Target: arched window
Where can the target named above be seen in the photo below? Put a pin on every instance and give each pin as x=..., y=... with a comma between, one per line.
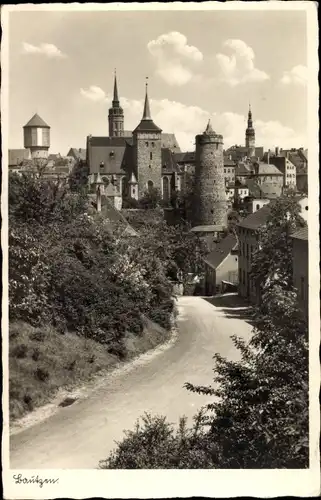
x=150, y=186
x=257, y=207
x=151, y=155
x=166, y=193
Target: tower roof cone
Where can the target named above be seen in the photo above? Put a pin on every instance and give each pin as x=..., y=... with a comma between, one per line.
x=209, y=130
x=146, y=113
x=115, y=98
x=147, y=123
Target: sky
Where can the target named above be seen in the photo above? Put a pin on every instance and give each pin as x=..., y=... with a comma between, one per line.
x=200, y=65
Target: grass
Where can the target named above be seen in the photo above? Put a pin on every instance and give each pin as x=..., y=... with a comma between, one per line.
x=42, y=361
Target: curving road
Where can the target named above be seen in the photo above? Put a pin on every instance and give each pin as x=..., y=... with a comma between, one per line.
x=80, y=435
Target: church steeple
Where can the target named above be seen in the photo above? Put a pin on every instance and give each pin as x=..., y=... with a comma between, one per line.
x=146, y=123
x=249, y=118
x=115, y=99
x=146, y=113
x=116, y=114
x=250, y=135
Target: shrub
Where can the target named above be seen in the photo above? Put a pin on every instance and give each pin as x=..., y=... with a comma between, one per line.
x=20, y=351
x=42, y=374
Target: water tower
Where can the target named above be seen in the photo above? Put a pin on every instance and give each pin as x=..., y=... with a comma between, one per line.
x=36, y=135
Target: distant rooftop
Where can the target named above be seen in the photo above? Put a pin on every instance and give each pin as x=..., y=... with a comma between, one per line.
x=37, y=121
x=256, y=220
x=301, y=234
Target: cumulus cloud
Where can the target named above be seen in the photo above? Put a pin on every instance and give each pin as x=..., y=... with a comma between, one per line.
x=238, y=66
x=175, y=59
x=94, y=93
x=187, y=121
x=298, y=75
x=47, y=49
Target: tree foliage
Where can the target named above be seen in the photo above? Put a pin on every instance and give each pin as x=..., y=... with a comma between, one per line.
x=73, y=269
x=258, y=414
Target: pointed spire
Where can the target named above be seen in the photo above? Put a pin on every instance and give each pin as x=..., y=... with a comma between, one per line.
x=115, y=99
x=209, y=130
x=146, y=113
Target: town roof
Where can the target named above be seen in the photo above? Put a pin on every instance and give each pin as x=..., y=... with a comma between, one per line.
x=242, y=169
x=256, y=220
x=169, y=141
x=268, y=169
x=301, y=234
x=109, y=141
x=210, y=228
x=37, y=121
x=168, y=163
x=113, y=215
x=78, y=153
x=185, y=157
x=228, y=162
x=17, y=156
x=221, y=251
x=147, y=126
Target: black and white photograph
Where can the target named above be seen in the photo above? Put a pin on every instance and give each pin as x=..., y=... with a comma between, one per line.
x=160, y=241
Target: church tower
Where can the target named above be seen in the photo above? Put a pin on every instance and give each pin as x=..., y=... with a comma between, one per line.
x=116, y=115
x=148, y=152
x=250, y=135
x=210, y=196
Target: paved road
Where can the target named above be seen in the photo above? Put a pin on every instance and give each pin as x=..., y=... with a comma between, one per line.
x=80, y=435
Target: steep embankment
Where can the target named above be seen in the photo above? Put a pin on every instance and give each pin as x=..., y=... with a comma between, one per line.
x=47, y=366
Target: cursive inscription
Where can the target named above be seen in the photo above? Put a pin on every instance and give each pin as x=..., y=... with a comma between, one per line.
x=19, y=479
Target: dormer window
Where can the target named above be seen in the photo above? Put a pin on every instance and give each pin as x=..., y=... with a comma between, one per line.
x=112, y=154
x=102, y=164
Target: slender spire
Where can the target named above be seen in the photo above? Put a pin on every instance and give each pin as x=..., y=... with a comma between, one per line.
x=146, y=113
x=115, y=99
x=249, y=120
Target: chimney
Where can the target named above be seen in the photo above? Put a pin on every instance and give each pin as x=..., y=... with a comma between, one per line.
x=276, y=151
x=268, y=157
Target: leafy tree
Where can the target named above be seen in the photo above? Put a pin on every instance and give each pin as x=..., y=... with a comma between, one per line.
x=78, y=178
x=259, y=414
x=151, y=199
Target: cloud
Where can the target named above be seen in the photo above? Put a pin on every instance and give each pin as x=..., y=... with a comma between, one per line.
x=238, y=67
x=94, y=93
x=187, y=121
x=298, y=75
x=175, y=59
x=46, y=49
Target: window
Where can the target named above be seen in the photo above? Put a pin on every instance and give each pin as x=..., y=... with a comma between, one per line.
x=150, y=155
x=146, y=144
x=224, y=170
x=153, y=144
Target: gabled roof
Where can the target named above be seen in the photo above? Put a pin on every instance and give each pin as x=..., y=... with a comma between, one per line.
x=228, y=162
x=185, y=157
x=242, y=169
x=301, y=234
x=221, y=251
x=168, y=162
x=114, y=216
x=78, y=153
x=268, y=169
x=36, y=121
x=17, y=156
x=256, y=220
x=109, y=141
x=169, y=141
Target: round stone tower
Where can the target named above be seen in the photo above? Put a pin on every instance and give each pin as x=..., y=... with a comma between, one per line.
x=36, y=135
x=210, y=196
